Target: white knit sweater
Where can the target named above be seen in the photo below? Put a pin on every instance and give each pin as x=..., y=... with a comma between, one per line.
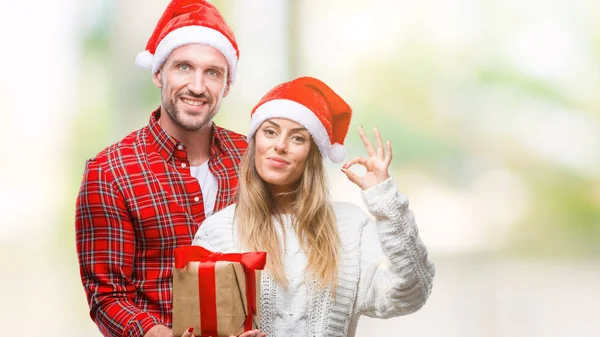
x=384, y=269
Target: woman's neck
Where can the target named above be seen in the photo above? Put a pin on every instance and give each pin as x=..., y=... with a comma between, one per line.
x=283, y=197
x=283, y=204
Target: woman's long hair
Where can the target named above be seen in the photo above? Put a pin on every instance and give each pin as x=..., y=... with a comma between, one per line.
x=313, y=219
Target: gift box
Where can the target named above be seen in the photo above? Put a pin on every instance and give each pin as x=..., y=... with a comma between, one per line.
x=216, y=294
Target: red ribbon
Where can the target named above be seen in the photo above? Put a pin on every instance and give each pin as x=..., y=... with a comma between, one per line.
x=206, y=281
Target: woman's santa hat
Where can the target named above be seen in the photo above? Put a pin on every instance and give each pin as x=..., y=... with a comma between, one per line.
x=185, y=22
x=312, y=104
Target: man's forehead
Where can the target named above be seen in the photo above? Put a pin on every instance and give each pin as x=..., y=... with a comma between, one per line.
x=198, y=52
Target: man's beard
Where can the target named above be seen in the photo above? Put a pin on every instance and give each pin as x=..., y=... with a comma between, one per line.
x=190, y=124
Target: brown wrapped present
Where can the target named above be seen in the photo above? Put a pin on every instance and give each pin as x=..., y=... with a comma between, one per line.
x=216, y=294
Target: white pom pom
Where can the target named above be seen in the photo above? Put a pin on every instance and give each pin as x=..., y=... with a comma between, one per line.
x=336, y=153
x=144, y=60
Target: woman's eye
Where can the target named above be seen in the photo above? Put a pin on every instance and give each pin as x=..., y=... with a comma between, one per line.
x=269, y=132
x=298, y=139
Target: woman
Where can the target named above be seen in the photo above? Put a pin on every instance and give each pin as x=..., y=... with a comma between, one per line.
x=328, y=262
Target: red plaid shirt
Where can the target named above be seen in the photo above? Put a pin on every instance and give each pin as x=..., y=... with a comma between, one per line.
x=137, y=202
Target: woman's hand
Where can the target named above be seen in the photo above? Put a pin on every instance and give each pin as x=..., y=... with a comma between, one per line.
x=377, y=163
x=251, y=333
x=189, y=333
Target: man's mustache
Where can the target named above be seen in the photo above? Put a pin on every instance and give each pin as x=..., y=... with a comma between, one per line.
x=198, y=96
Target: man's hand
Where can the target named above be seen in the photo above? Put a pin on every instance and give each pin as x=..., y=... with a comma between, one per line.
x=159, y=331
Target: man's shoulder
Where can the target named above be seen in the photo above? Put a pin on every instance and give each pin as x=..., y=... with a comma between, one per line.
x=116, y=154
x=231, y=139
x=230, y=133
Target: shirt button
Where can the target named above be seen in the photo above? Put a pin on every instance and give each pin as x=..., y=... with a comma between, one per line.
x=196, y=199
x=179, y=147
x=183, y=165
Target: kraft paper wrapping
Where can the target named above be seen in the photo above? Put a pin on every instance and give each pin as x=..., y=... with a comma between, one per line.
x=231, y=302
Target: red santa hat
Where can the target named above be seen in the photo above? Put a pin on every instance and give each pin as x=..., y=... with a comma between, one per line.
x=185, y=22
x=312, y=104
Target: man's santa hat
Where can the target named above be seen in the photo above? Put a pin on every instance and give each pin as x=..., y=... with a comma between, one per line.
x=312, y=104
x=185, y=22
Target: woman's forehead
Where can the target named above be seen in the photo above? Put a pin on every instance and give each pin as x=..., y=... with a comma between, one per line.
x=284, y=123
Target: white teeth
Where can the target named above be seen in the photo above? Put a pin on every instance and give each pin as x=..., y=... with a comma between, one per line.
x=190, y=102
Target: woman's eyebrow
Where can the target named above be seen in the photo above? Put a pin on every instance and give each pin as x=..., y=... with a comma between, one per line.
x=294, y=129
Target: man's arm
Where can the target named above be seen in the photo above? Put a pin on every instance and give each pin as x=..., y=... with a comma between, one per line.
x=106, y=251
x=161, y=331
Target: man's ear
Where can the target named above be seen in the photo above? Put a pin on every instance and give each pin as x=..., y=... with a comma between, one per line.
x=157, y=79
x=226, y=91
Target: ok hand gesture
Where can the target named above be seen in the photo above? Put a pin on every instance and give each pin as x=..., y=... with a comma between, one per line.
x=377, y=163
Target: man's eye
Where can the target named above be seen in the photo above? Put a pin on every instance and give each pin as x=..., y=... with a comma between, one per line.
x=184, y=67
x=213, y=73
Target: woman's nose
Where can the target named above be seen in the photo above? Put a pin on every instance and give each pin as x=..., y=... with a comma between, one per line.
x=281, y=145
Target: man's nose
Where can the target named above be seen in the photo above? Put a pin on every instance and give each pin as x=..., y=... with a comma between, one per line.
x=197, y=83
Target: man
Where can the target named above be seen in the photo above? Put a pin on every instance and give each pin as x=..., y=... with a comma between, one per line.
x=147, y=194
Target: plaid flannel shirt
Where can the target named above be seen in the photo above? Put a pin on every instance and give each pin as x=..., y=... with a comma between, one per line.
x=137, y=202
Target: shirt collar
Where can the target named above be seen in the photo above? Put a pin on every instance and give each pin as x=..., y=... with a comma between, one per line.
x=169, y=146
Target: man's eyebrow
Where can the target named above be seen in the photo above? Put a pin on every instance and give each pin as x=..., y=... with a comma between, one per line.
x=211, y=66
x=216, y=67
x=178, y=61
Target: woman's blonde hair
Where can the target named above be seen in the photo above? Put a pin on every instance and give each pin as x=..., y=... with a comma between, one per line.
x=313, y=219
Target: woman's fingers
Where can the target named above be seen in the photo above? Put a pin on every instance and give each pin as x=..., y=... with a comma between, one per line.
x=366, y=141
x=388, y=155
x=188, y=333
x=380, y=152
x=353, y=177
x=253, y=333
x=355, y=160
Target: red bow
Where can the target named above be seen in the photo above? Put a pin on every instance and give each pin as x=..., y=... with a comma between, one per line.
x=253, y=260
x=206, y=281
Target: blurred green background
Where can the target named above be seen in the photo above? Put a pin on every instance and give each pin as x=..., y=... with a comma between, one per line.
x=493, y=109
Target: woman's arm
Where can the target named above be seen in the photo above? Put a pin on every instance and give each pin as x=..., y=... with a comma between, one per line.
x=396, y=274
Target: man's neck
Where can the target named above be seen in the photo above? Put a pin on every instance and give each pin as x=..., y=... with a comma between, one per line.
x=197, y=142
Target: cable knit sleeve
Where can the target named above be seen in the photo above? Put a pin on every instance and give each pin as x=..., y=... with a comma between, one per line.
x=216, y=232
x=202, y=239
x=396, y=275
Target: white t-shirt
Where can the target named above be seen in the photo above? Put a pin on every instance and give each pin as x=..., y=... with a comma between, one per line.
x=208, y=184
